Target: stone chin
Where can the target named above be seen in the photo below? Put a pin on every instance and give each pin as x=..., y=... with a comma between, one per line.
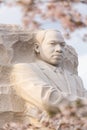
x=55, y=62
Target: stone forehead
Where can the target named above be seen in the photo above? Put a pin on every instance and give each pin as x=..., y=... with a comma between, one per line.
x=41, y=34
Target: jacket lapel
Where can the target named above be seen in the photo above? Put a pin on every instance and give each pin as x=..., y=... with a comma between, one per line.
x=69, y=84
x=51, y=75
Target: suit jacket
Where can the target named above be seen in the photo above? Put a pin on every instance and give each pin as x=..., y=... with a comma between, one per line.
x=46, y=86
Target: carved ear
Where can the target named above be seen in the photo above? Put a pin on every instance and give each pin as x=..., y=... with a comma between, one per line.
x=36, y=48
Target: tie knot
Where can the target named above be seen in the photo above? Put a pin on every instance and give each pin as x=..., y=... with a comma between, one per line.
x=59, y=70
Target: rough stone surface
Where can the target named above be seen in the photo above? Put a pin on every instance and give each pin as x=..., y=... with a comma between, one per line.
x=15, y=43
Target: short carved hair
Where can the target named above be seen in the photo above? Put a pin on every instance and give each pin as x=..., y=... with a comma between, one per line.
x=40, y=35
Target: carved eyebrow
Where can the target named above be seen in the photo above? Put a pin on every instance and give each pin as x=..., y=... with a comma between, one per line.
x=57, y=42
x=53, y=41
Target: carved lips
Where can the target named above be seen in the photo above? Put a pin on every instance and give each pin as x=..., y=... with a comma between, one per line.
x=58, y=55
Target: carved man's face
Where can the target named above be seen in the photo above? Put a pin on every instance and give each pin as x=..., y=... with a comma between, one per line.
x=51, y=50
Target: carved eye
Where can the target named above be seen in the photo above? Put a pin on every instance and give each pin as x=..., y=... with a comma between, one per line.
x=62, y=44
x=53, y=43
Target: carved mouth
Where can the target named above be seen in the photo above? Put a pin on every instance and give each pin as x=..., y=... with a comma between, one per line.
x=58, y=55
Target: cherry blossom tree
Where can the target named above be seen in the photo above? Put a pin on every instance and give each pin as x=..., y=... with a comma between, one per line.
x=61, y=10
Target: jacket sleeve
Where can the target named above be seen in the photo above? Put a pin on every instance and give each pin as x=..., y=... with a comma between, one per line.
x=81, y=89
x=32, y=88
x=84, y=93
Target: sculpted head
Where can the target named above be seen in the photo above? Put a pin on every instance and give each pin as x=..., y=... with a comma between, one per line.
x=49, y=46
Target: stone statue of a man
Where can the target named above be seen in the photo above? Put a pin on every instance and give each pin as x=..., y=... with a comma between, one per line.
x=45, y=83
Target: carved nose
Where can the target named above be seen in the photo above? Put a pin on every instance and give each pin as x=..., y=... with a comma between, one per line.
x=59, y=49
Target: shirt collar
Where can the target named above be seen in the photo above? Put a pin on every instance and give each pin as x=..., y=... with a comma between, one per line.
x=44, y=64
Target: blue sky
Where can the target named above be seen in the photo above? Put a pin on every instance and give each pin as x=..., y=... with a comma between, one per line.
x=13, y=15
